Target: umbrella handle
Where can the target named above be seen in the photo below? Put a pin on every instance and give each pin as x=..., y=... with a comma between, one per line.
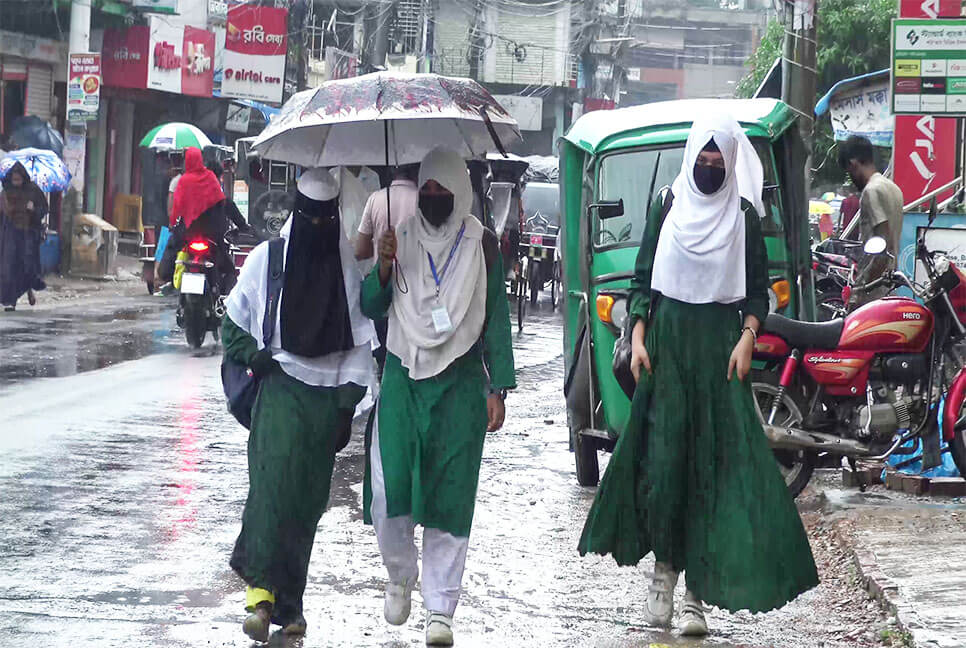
x=492, y=130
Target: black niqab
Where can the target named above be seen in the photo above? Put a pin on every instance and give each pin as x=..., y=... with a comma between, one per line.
x=314, y=310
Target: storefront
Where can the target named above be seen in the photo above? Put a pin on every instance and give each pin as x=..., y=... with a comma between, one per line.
x=29, y=68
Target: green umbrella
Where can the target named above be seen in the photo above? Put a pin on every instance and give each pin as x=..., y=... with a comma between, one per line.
x=175, y=136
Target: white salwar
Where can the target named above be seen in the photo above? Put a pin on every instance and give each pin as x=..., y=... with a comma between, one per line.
x=444, y=555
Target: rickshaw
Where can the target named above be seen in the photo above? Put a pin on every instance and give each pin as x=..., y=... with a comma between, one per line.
x=613, y=164
x=539, y=257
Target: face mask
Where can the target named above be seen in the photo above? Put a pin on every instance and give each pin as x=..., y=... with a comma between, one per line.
x=436, y=208
x=708, y=179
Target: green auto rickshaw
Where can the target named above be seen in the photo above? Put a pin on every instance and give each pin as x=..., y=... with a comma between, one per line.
x=612, y=166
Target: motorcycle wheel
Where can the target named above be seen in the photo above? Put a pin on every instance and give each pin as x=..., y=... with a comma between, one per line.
x=195, y=320
x=796, y=466
x=957, y=447
x=522, y=296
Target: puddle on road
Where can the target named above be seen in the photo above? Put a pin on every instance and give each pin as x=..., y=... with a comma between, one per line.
x=35, y=346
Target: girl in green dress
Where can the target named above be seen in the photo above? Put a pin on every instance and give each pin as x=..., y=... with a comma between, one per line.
x=448, y=366
x=313, y=374
x=692, y=477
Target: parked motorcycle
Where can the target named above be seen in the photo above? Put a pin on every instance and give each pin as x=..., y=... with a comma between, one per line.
x=200, y=306
x=831, y=272
x=864, y=385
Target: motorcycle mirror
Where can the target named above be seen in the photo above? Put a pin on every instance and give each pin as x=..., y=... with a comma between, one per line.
x=875, y=246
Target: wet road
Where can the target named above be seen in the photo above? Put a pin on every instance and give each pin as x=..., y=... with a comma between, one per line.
x=123, y=488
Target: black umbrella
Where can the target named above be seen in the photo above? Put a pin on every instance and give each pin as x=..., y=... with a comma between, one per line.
x=33, y=132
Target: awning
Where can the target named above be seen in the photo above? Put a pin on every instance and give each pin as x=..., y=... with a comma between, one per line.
x=822, y=106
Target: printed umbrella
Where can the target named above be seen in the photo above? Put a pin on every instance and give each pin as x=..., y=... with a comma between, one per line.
x=337, y=123
x=33, y=132
x=175, y=136
x=45, y=168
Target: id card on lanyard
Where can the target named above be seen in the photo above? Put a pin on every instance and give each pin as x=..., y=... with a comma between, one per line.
x=441, y=320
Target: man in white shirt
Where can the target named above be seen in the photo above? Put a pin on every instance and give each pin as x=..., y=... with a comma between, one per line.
x=404, y=195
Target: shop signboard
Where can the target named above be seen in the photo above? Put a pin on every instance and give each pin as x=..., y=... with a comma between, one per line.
x=256, y=42
x=863, y=111
x=156, y=6
x=83, y=86
x=197, y=69
x=166, y=48
x=929, y=67
x=32, y=48
x=931, y=9
x=125, y=57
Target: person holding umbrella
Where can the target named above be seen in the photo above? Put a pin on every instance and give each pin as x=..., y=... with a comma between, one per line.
x=448, y=366
x=22, y=210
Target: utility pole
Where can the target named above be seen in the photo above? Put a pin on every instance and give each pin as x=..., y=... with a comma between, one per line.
x=75, y=145
x=799, y=74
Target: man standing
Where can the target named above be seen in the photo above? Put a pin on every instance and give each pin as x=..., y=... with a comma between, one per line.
x=880, y=207
x=375, y=218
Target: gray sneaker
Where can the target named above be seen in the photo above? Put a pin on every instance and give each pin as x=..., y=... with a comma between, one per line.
x=439, y=629
x=659, y=607
x=692, y=622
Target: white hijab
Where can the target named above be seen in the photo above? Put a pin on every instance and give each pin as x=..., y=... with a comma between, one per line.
x=412, y=336
x=700, y=255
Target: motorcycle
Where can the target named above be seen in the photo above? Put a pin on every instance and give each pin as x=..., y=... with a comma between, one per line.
x=200, y=306
x=831, y=272
x=864, y=385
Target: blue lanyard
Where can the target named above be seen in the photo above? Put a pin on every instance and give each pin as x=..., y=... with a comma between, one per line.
x=438, y=276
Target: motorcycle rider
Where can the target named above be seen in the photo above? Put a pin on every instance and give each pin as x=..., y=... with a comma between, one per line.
x=880, y=212
x=199, y=209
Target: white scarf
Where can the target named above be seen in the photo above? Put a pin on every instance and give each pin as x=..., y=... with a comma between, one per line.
x=412, y=336
x=700, y=255
x=246, y=308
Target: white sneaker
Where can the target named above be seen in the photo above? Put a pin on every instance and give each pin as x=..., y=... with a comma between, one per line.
x=659, y=607
x=692, y=622
x=399, y=600
x=439, y=629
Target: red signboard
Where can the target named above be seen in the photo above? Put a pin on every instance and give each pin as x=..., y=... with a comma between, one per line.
x=197, y=71
x=256, y=42
x=925, y=146
x=925, y=154
x=125, y=57
x=931, y=9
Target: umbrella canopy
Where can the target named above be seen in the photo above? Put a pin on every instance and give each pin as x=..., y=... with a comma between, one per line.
x=45, y=168
x=175, y=136
x=819, y=207
x=33, y=132
x=386, y=118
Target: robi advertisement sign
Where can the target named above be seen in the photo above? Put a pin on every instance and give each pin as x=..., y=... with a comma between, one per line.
x=256, y=42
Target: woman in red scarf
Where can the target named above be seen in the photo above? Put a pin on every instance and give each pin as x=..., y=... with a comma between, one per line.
x=198, y=212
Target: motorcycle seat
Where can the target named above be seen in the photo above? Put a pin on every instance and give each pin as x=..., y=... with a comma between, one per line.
x=806, y=335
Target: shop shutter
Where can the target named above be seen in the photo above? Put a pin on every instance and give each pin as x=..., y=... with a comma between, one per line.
x=40, y=90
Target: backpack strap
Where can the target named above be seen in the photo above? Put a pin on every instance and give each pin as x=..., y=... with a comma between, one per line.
x=276, y=277
x=491, y=249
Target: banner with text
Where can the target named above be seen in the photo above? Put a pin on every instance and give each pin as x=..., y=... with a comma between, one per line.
x=929, y=67
x=125, y=57
x=863, y=111
x=256, y=42
x=931, y=9
x=166, y=47
x=83, y=86
x=197, y=69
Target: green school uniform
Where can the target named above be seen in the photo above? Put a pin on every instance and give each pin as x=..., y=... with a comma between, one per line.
x=692, y=477
x=431, y=431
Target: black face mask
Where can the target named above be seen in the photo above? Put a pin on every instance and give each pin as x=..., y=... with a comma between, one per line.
x=708, y=179
x=436, y=208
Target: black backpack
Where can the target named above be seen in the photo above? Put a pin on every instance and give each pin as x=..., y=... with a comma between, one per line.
x=240, y=384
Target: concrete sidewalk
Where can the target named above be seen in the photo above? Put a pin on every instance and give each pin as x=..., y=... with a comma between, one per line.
x=911, y=554
x=63, y=289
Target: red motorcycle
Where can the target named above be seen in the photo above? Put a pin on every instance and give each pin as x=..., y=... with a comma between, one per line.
x=863, y=385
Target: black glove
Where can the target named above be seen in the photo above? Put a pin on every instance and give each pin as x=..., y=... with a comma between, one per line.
x=343, y=428
x=262, y=363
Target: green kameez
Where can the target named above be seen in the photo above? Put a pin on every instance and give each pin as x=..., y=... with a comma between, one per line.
x=692, y=477
x=431, y=431
x=291, y=453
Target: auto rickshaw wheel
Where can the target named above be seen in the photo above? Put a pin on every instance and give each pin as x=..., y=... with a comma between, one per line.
x=534, y=279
